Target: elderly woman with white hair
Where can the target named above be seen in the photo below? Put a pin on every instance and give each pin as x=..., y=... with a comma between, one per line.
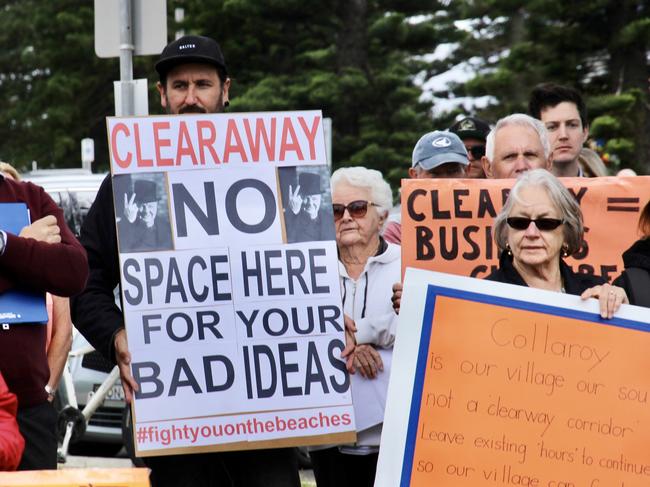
x=368, y=266
x=540, y=224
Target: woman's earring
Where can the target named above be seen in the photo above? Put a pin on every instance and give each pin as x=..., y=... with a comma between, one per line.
x=508, y=250
x=565, y=251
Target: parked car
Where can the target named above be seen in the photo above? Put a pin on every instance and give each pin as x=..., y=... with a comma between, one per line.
x=74, y=190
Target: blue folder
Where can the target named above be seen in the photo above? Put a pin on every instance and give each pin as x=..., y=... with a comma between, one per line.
x=18, y=305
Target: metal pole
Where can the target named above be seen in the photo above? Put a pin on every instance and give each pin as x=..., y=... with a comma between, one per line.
x=126, y=58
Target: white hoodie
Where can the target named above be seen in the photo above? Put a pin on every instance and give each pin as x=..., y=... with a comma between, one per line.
x=368, y=302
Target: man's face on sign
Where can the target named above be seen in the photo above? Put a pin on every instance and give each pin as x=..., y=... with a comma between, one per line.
x=147, y=213
x=312, y=205
x=193, y=88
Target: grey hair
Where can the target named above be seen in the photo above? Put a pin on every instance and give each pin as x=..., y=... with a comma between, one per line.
x=561, y=197
x=520, y=120
x=371, y=179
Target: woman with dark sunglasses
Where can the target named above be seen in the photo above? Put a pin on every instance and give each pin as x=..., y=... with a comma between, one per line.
x=540, y=224
x=368, y=266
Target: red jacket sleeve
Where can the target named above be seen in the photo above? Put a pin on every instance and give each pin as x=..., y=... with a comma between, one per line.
x=12, y=443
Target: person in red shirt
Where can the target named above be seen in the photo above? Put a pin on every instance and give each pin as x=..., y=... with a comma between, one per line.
x=12, y=443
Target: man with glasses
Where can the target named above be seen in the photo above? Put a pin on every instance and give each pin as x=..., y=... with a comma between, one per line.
x=437, y=154
x=473, y=132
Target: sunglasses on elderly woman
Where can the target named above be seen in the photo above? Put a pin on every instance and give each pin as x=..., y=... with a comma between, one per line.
x=542, y=224
x=356, y=209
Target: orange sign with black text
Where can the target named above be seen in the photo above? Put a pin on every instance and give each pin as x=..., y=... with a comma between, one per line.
x=556, y=401
x=447, y=223
x=513, y=386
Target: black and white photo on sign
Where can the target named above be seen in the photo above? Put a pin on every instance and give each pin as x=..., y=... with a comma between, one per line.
x=307, y=203
x=142, y=212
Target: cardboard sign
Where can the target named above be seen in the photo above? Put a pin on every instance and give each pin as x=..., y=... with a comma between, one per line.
x=75, y=477
x=230, y=284
x=510, y=385
x=447, y=223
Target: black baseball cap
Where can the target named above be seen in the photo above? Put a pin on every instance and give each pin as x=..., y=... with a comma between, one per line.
x=190, y=49
x=471, y=128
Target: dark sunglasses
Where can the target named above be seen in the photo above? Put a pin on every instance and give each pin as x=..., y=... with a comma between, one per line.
x=542, y=224
x=477, y=151
x=356, y=209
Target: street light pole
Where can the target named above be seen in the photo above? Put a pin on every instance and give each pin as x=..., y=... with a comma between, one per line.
x=126, y=58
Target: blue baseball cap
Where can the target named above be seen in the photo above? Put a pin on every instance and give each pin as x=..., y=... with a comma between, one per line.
x=437, y=148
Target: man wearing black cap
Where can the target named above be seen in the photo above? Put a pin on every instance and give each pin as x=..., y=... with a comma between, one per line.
x=305, y=215
x=193, y=76
x=473, y=132
x=193, y=79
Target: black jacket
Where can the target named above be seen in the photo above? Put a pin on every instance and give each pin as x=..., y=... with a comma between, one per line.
x=573, y=283
x=94, y=311
x=638, y=255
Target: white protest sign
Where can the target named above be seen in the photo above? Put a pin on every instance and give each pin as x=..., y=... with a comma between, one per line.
x=231, y=294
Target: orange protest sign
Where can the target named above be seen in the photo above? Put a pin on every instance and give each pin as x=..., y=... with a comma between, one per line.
x=447, y=223
x=519, y=387
x=78, y=477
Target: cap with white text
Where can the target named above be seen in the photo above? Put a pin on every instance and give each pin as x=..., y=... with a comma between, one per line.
x=190, y=49
x=437, y=148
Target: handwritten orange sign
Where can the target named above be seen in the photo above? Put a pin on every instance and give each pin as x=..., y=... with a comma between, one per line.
x=447, y=223
x=515, y=389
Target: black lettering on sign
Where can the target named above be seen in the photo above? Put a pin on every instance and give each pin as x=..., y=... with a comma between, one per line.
x=579, y=194
x=183, y=200
x=410, y=205
x=436, y=212
x=424, y=249
x=232, y=209
x=142, y=280
x=258, y=271
x=458, y=203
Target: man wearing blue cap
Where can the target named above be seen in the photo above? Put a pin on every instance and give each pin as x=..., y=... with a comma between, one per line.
x=437, y=154
x=193, y=79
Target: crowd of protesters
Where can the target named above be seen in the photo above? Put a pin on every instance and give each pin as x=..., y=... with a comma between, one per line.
x=539, y=226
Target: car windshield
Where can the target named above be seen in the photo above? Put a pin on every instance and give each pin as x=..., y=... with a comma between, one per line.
x=75, y=206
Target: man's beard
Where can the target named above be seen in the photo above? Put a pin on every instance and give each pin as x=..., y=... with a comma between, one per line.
x=192, y=109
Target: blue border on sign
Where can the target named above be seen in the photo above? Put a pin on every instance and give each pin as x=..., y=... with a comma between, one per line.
x=425, y=337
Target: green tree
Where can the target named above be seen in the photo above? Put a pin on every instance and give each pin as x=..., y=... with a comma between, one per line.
x=599, y=47
x=56, y=91
x=355, y=60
